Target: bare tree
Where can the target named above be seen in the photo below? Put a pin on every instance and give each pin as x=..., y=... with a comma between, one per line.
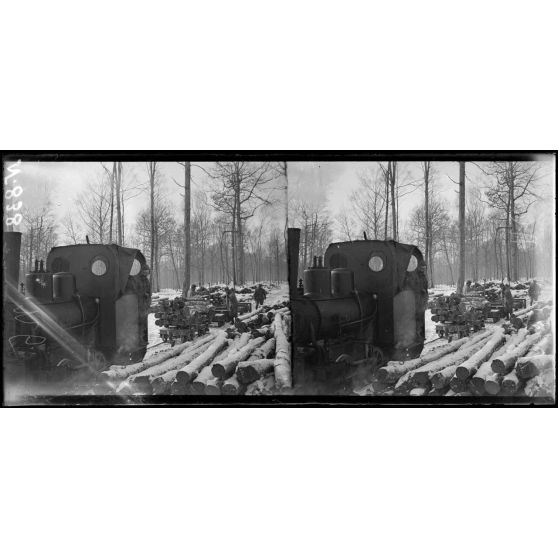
x=368, y=202
x=512, y=191
x=239, y=188
x=187, y=224
x=94, y=206
x=72, y=231
x=461, y=276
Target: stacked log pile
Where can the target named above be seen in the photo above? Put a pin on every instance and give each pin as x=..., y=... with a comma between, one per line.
x=252, y=358
x=183, y=318
x=455, y=309
x=502, y=361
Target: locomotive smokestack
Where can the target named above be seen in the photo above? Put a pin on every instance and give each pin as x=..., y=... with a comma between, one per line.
x=41, y=268
x=12, y=249
x=293, y=246
x=320, y=261
x=315, y=261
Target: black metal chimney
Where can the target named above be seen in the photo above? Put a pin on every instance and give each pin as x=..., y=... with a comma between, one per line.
x=12, y=249
x=293, y=246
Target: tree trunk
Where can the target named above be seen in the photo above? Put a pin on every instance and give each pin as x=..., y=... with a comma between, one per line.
x=187, y=215
x=393, y=199
x=187, y=373
x=422, y=375
x=392, y=371
x=461, y=278
x=252, y=370
x=470, y=366
x=119, y=215
x=112, y=181
x=282, y=364
x=507, y=361
x=426, y=170
x=152, y=168
x=147, y=377
x=226, y=367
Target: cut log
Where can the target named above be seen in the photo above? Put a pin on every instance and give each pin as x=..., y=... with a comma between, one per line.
x=393, y=371
x=252, y=370
x=145, y=378
x=421, y=376
x=116, y=373
x=265, y=386
x=506, y=362
x=470, y=366
x=543, y=385
x=510, y=384
x=232, y=386
x=479, y=378
x=418, y=391
x=225, y=368
x=442, y=378
x=532, y=365
x=213, y=386
x=264, y=351
x=200, y=381
x=493, y=383
x=282, y=364
x=458, y=384
x=161, y=384
x=435, y=392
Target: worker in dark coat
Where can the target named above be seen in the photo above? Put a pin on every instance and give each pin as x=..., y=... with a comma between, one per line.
x=232, y=304
x=508, y=301
x=534, y=291
x=259, y=295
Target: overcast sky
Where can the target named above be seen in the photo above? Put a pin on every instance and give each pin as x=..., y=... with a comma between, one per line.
x=332, y=183
x=66, y=180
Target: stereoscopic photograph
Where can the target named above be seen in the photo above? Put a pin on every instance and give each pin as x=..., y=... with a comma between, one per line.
x=386, y=279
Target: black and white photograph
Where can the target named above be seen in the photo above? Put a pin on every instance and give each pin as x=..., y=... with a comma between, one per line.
x=372, y=281
x=279, y=279
x=423, y=278
x=145, y=278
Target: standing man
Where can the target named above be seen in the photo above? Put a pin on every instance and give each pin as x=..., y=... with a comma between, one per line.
x=259, y=295
x=534, y=291
x=508, y=301
x=232, y=304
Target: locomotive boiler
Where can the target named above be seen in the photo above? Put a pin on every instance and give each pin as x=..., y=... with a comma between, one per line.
x=88, y=303
x=365, y=299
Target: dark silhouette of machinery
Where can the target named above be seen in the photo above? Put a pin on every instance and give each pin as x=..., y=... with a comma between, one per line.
x=87, y=306
x=365, y=300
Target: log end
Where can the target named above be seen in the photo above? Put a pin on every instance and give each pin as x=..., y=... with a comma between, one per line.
x=498, y=366
x=218, y=370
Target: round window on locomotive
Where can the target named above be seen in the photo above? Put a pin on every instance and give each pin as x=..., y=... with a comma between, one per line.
x=99, y=266
x=376, y=263
x=413, y=264
x=136, y=268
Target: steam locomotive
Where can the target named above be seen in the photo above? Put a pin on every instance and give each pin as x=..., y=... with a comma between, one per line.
x=88, y=306
x=365, y=300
